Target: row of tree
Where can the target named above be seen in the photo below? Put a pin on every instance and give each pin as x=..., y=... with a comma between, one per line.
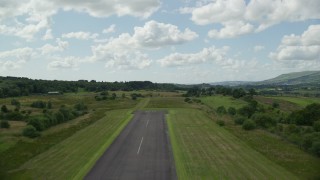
x=13, y=86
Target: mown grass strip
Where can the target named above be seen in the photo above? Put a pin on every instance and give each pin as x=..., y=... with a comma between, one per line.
x=74, y=156
x=203, y=150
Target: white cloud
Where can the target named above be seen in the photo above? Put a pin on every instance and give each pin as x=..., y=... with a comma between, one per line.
x=48, y=35
x=258, y=48
x=126, y=51
x=218, y=11
x=210, y=54
x=254, y=16
x=231, y=29
x=304, y=47
x=110, y=29
x=64, y=63
x=20, y=54
x=36, y=14
x=80, y=35
x=155, y=34
x=49, y=49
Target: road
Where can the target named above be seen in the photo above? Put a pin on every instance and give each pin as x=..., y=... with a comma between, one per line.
x=141, y=151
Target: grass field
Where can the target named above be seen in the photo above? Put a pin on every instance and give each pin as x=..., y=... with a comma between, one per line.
x=301, y=101
x=168, y=102
x=226, y=101
x=73, y=157
x=203, y=150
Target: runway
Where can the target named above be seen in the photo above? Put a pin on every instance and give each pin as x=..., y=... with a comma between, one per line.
x=141, y=151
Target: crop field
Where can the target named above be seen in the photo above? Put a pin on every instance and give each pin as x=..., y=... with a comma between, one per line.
x=73, y=157
x=203, y=150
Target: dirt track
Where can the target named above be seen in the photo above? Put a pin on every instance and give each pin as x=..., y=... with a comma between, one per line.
x=140, y=152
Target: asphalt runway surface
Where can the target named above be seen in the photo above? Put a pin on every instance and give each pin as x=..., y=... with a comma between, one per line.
x=141, y=151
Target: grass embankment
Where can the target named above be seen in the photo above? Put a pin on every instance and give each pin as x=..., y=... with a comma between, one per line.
x=203, y=150
x=73, y=157
x=275, y=148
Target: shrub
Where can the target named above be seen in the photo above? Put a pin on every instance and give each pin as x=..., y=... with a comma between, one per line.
x=14, y=115
x=316, y=126
x=275, y=105
x=232, y=111
x=221, y=110
x=4, y=124
x=315, y=148
x=239, y=120
x=187, y=99
x=220, y=123
x=30, y=132
x=248, y=125
x=4, y=109
x=39, y=104
x=264, y=120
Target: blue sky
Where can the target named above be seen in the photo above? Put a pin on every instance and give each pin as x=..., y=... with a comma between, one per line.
x=181, y=41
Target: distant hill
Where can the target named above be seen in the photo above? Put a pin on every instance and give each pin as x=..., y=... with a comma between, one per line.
x=295, y=78
x=305, y=77
x=232, y=83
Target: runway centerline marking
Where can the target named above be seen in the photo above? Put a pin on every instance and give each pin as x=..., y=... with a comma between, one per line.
x=147, y=123
x=140, y=145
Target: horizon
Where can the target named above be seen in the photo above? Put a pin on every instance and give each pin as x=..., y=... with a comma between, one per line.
x=182, y=42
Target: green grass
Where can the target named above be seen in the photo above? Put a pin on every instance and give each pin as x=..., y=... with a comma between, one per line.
x=226, y=101
x=301, y=101
x=203, y=150
x=168, y=102
x=73, y=157
x=280, y=151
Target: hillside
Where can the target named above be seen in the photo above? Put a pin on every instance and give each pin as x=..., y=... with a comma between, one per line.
x=305, y=77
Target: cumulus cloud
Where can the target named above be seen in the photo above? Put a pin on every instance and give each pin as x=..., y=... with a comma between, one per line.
x=126, y=51
x=36, y=14
x=155, y=34
x=48, y=35
x=231, y=29
x=14, y=59
x=80, y=35
x=110, y=29
x=210, y=54
x=49, y=48
x=64, y=63
x=255, y=16
x=258, y=48
x=305, y=47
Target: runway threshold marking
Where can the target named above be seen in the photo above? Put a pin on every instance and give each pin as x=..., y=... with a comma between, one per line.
x=140, y=145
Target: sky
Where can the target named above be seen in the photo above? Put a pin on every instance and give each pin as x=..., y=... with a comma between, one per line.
x=165, y=41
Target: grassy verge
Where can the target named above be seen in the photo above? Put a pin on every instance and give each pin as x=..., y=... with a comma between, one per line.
x=203, y=150
x=74, y=156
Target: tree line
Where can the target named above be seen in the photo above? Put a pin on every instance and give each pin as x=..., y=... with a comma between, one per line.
x=18, y=86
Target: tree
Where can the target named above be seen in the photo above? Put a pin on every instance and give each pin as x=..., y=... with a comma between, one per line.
x=49, y=105
x=275, y=105
x=239, y=120
x=4, y=109
x=4, y=124
x=221, y=110
x=316, y=126
x=232, y=111
x=30, y=132
x=248, y=125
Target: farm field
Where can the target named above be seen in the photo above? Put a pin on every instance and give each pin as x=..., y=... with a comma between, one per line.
x=203, y=150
